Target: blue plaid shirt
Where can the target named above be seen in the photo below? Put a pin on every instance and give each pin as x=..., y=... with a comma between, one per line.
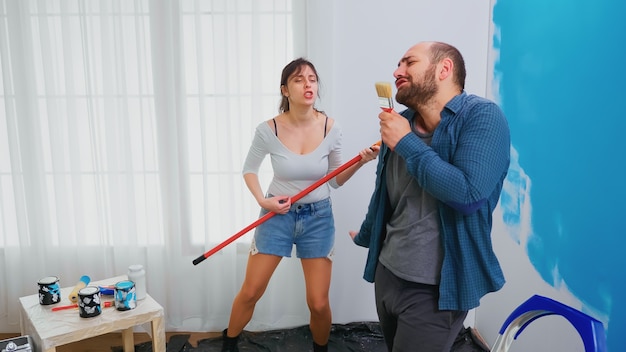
x=464, y=168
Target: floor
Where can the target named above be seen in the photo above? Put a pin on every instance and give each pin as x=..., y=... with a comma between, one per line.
x=361, y=337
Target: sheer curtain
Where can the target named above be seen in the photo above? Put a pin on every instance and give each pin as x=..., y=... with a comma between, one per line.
x=123, y=129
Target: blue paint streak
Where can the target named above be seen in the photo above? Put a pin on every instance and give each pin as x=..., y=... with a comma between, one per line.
x=562, y=78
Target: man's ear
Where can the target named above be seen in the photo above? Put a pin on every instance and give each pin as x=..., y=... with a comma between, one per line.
x=446, y=67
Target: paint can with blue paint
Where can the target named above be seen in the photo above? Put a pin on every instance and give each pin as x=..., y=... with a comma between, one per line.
x=49, y=290
x=125, y=298
x=89, y=302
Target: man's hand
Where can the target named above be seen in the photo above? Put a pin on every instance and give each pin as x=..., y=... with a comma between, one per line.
x=393, y=127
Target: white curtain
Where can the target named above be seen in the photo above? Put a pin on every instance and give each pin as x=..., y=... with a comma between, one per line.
x=123, y=129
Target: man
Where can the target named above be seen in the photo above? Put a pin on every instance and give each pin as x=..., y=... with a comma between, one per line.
x=428, y=225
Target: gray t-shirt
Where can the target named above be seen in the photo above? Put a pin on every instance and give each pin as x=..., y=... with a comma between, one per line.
x=412, y=249
x=294, y=172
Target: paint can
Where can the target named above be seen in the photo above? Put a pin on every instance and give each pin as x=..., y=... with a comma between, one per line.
x=89, y=302
x=49, y=290
x=125, y=298
x=137, y=274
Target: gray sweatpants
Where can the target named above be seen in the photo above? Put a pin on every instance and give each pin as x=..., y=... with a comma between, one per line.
x=409, y=316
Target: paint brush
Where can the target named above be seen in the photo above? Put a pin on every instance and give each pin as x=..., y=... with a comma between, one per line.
x=105, y=304
x=383, y=89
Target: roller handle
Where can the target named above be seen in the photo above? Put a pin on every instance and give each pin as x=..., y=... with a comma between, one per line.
x=265, y=217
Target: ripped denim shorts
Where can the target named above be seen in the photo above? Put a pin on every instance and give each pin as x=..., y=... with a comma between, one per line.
x=311, y=227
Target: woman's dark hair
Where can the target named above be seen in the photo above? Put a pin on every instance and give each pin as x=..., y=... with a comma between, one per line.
x=293, y=68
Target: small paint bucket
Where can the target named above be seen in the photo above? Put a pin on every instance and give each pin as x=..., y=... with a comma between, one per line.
x=125, y=298
x=89, y=302
x=49, y=290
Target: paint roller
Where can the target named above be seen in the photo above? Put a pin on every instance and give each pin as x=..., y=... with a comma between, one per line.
x=84, y=281
x=295, y=198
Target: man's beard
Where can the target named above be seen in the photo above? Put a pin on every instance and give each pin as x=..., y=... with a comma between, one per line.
x=419, y=94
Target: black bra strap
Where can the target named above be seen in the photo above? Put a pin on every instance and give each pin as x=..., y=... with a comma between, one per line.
x=275, y=127
x=325, y=124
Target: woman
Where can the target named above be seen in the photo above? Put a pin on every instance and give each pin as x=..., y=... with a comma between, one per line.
x=304, y=145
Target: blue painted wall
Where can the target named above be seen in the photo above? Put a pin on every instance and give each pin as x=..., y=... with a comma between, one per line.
x=561, y=80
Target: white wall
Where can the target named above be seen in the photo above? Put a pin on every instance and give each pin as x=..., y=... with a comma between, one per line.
x=355, y=43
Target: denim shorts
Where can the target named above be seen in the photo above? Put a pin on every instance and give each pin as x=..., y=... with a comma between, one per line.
x=311, y=227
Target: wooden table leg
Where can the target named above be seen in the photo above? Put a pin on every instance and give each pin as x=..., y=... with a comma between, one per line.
x=158, y=335
x=128, y=340
x=22, y=327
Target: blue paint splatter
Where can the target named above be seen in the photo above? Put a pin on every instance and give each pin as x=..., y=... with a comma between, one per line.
x=561, y=75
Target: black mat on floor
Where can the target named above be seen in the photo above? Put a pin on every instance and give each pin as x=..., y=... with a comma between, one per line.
x=353, y=337
x=177, y=343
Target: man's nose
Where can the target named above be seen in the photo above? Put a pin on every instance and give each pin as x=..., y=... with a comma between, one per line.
x=398, y=72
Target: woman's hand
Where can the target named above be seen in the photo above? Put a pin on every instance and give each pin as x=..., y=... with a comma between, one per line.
x=276, y=204
x=369, y=154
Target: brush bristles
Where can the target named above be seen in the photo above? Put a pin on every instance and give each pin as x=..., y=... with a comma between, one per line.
x=383, y=89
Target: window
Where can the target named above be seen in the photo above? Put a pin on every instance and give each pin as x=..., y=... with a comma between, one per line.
x=233, y=56
x=112, y=111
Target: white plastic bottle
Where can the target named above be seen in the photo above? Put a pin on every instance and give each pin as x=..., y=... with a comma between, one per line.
x=137, y=274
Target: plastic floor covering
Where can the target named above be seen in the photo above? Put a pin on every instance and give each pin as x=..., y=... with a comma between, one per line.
x=353, y=337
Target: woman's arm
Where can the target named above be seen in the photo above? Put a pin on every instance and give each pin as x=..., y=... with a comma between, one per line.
x=367, y=155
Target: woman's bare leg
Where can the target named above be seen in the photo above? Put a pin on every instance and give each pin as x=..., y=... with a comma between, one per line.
x=258, y=274
x=317, y=272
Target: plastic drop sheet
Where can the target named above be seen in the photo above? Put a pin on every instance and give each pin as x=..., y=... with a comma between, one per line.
x=353, y=337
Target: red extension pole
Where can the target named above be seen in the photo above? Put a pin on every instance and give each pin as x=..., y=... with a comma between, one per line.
x=265, y=217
